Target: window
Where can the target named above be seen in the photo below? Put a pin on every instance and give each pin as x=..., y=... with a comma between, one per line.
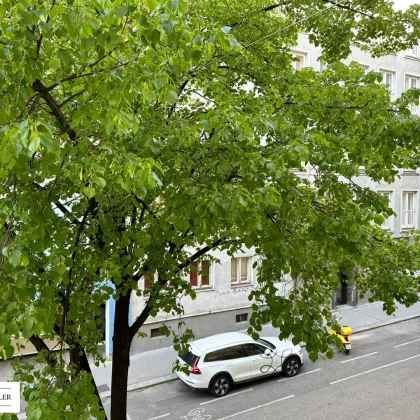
x=414, y=51
x=200, y=274
x=388, y=223
x=149, y=279
x=214, y=356
x=299, y=60
x=241, y=317
x=189, y=358
x=389, y=80
x=240, y=271
x=365, y=67
x=156, y=332
x=408, y=214
x=412, y=82
x=234, y=352
x=254, y=349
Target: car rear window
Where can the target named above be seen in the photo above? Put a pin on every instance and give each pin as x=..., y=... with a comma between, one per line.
x=189, y=358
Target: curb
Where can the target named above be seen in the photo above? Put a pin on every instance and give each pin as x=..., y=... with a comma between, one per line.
x=173, y=376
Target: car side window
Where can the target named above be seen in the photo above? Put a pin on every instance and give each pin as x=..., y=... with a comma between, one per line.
x=234, y=352
x=253, y=349
x=214, y=356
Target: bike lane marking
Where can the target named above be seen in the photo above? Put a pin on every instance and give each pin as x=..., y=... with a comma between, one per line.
x=256, y=407
x=227, y=396
x=373, y=370
x=409, y=342
x=359, y=357
x=299, y=375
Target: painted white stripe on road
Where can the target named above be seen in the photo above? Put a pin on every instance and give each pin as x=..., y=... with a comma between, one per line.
x=404, y=344
x=355, y=358
x=227, y=396
x=373, y=370
x=256, y=408
x=159, y=417
x=300, y=374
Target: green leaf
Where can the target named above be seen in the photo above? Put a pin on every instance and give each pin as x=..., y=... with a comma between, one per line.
x=149, y=95
x=226, y=29
x=99, y=181
x=171, y=97
x=34, y=144
x=15, y=257
x=174, y=5
x=24, y=261
x=27, y=324
x=89, y=191
x=121, y=11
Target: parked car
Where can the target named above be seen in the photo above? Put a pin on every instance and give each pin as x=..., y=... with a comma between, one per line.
x=218, y=362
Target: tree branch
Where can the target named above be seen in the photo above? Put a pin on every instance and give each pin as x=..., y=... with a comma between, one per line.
x=81, y=92
x=39, y=87
x=349, y=8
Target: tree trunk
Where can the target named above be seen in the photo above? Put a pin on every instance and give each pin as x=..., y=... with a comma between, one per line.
x=121, y=359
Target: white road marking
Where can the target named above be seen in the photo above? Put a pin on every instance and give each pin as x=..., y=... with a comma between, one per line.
x=404, y=344
x=128, y=417
x=355, y=358
x=373, y=370
x=227, y=396
x=300, y=374
x=256, y=408
x=159, y=417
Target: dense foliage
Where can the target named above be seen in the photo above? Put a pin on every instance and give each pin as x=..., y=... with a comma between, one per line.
x=138, y=136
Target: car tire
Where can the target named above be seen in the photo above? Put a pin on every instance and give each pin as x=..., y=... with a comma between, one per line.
x=346, y=351
x=220, y=386
x=291, y=367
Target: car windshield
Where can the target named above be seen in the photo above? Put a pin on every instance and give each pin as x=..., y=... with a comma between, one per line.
x=189, y=358
x=266, y=343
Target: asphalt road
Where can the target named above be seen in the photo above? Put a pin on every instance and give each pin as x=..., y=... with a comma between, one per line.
x=378, y=380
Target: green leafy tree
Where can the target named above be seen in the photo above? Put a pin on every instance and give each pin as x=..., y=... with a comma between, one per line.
x=138, y=136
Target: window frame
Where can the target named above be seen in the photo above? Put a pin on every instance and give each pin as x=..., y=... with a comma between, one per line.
x=409, y=53
x=239, y=271
x=414, y=108
x=393, y=73
x=403, y=226
x=300, y=53
x=391, y=219
x=199, y=285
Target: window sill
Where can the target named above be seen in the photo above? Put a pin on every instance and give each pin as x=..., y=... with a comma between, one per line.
x=407, y=228
x=203, y=289
x=412, y=57
x=237, y=285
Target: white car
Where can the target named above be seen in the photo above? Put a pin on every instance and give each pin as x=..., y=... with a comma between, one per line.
x=220, y=361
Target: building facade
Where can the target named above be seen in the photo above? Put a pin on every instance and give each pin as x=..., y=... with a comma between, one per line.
x=222, y=288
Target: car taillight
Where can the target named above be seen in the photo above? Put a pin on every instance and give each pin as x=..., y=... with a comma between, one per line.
x=195, y=370
x=346, y=338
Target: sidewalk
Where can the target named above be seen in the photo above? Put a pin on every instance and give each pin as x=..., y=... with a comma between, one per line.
x=155, y=366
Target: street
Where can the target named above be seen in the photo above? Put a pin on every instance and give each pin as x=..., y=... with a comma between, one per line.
x=378, y=380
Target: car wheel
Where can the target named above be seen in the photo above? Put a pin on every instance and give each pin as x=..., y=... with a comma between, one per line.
x=220, y=386
x=346, y=351
x=291, y=367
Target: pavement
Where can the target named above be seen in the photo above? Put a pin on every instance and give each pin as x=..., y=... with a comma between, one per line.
x=155, y=367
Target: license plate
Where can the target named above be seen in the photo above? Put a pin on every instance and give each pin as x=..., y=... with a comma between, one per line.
x=347, y=346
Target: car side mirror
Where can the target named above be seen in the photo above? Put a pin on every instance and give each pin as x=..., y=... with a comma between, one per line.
x=267, y=352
